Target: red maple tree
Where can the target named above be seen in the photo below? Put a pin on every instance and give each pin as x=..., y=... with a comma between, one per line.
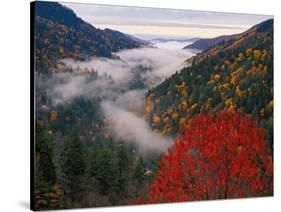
x=219, y=156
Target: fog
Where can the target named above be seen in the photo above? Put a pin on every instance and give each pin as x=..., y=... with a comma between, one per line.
x=172, y=45
x=163, y=61
x=127, y=126
x=122, y=85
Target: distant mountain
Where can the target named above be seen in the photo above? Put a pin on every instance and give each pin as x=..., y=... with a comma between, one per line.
x=203, y=44
x=164, y=40
x=59, y=33
x=237, y=74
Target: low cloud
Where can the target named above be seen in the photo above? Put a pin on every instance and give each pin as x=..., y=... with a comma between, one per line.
x=161, y=62
x=132, y=101
x=128, y=127
x=121, y=85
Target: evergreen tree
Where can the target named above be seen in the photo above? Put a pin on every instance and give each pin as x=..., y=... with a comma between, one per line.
x=44, y=165
x=139, y=171
x=123, y=165
x=71, y=167
x=106, y=171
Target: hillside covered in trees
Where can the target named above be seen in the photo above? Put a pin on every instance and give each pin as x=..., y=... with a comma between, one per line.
x=220, y=109
x=226, y=91
x=237, y=74
x=77, y=164
x=59, y=34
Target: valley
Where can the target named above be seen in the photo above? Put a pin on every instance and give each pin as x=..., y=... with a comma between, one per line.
x=122, y=120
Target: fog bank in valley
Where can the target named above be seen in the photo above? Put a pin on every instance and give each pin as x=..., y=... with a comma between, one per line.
x=127, y=126
x=122, y=87
x=161, y=62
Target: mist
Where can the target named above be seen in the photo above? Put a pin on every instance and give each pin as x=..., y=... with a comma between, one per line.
x=127, y=126
x=121, y=85
x=162, y=61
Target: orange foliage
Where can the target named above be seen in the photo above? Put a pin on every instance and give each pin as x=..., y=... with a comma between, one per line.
x=53, y=115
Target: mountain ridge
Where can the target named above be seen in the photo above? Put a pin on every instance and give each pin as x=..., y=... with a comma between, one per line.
x=60, y=33
x=264, y=28
x=204, y=43
x=237, y=75
x=116, y=33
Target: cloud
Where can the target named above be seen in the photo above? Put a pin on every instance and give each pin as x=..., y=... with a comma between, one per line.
x=132, y=101
x=137, y=69
x=128, y=127
x=170, y=22
x=158, y=62
x=121, y=85
x=71, y=86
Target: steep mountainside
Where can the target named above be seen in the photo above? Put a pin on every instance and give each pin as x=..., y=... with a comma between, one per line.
x=203, y=44
x=236, y=75
x=59, y=33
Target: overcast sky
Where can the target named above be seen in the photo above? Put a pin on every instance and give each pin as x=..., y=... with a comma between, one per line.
x=165, y=23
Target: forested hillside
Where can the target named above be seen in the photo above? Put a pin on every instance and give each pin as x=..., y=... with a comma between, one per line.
x=80, y=159
x=220, y=109
x=237, y=74
x=59, y=34
x=77, y=164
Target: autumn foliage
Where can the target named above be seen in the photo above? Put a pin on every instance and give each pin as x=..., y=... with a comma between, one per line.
x=219, y=156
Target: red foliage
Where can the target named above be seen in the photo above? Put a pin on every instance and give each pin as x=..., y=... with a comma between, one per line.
x=219, y=156
x=138, y=201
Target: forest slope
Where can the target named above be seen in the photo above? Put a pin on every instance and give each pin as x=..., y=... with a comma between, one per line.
x=59, y=33
x=237, y=74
